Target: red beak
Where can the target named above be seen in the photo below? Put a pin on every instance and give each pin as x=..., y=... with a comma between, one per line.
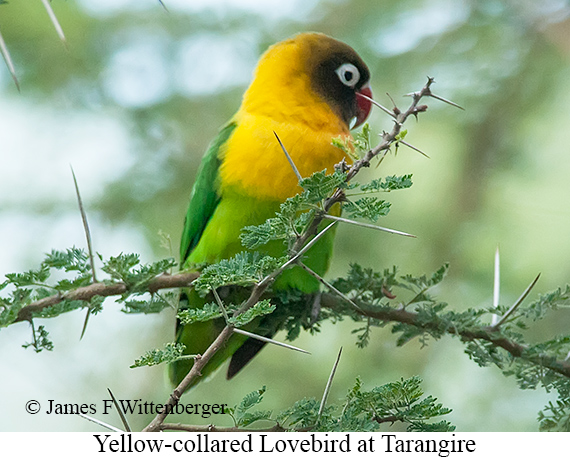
x=364, y=104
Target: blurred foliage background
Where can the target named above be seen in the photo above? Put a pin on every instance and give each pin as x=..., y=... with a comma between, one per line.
x=131, y=102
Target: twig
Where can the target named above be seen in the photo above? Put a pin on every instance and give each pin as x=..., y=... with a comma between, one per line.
x=392, y=136
x=89, y=245
x=380, y=150
x=325, y=283
x=269, y=340
x=375, y=103
x=516, y=304
x=496, y=287
x=120, y=412
x=250, y=334
x=213, y=428
x=382, y=420
x=262, y=286
x=227, y=331
x=328, y=300
x=328, y=386
x=194, y=372
x=8, y=60
x=54, y=21
x=293, y=166
x=221, y=305
x=101, y=423
x=86, y=293
x=413, y=147
x=363, y=224
x=489, y=333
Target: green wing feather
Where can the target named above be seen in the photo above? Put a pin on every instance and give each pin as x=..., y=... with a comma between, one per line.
x=204, y=200
x=205, y=197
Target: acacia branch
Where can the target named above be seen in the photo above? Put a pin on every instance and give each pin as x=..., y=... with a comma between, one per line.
x=388, y=138
x=382, y=420
x=485, y=333
x=195, y=371
x=213, y=428
x=105, y=289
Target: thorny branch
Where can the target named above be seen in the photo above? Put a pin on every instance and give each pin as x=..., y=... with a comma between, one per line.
x=101, y=289
x=488, y=333
x=328, y=300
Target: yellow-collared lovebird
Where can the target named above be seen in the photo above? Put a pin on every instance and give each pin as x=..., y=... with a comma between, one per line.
x=305, y=90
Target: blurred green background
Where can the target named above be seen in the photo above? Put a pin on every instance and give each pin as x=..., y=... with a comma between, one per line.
x=138, y=92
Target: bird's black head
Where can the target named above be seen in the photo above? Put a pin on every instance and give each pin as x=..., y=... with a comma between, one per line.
x=339, y=76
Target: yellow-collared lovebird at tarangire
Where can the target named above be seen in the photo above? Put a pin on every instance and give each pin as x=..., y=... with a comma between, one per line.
x=305, y=91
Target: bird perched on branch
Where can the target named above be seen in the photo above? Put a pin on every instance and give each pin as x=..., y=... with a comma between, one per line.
x=305, y=90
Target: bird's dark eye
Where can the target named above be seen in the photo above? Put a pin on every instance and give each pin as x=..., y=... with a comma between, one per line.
x=348, y=74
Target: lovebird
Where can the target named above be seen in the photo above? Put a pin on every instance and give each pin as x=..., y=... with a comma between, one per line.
x=306, y=91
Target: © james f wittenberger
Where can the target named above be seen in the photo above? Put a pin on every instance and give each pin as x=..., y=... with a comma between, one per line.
x=137, y=406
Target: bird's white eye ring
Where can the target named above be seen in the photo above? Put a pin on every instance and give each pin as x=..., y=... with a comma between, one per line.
x=348, y=74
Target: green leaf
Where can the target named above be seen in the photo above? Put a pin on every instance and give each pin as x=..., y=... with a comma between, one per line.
x=370, y=208
x=191, y=315
x=398, y=401
x=119, y=267
x=253, y=236
x=244, y=269
x=64, y=306
x=136, y=276
x=401, y=135
x=28, y=278
x=40, y=340
x=320, y=185
x=361, y=410
x=423, y=282
x=82, y=280
x=296, y=213
x=249, y=401
x=170, y=353
x=369, y=285
x=73, y=259
x=249, y=418
x=346, y=145
x=362, y=140
x=303, y=413
x=259, y=309
x=155, y=304
x=343, y=143
x=555, y=416
x=388, y=184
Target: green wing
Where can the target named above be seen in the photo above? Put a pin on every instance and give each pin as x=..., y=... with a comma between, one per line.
x=203, y=203
x=205, y=197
